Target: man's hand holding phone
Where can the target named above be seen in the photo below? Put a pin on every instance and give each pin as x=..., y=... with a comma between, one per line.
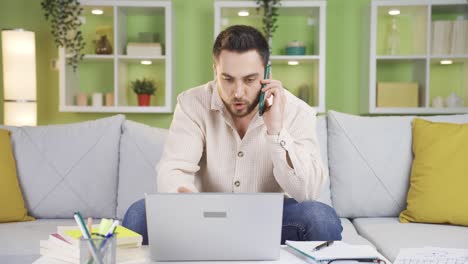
x=272, y=102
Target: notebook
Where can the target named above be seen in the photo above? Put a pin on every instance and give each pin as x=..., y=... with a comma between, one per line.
x=338, y=250
x=125, y=237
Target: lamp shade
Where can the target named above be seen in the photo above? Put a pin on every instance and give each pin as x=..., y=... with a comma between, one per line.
x=19, y=77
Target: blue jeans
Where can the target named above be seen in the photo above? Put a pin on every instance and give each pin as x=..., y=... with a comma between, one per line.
x=306, y=221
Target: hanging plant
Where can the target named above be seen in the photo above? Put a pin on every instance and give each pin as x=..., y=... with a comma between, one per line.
x=64, y=16
x=270, y=14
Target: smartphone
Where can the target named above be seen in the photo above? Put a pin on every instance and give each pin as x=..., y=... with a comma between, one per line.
x=261, y=101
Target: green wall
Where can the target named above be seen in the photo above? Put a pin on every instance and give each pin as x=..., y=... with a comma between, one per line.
x=194, y=38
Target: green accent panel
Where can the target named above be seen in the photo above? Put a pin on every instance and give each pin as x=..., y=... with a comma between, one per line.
x=446, y=79
x=395, y=71
x=436, y=17
x=93, y=23
x=145, y=23
x=346, y=24
x=96, y=76
x=155, y=72
x=254, y=21
x=291, y=77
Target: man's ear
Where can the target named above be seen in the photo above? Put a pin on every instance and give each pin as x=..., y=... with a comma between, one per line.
x=214, y=69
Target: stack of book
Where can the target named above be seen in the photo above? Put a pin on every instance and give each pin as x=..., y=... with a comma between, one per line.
x=441, y=37
x=450, y=37
x=459, y=36
x=144, y=49
x=64, y=245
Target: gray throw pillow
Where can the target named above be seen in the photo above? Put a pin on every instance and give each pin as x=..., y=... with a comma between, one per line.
x=68, y=168
x=141, y=148
x=370, y=161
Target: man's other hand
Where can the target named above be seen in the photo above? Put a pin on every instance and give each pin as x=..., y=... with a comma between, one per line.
x=183, y=190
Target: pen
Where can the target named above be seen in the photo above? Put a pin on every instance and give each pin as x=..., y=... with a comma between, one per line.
x=112, y=228
x=81, y=225
x=109, y=234
x=323, y=245
x=261, y=102
x=371, y=260
x=90, y=225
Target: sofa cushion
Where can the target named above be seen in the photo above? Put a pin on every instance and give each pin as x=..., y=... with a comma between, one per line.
x=325, y=196
x=350, y=234
x=370, y=161
x=68, y=168
x=11, y=198
x=141, y=147
x=20, y=241
x=389, y=235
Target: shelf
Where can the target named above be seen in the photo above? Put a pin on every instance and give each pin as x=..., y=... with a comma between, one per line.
x=134, y=21
x=302, y=80
x=446, y=80
x=113, y=109
x=111, y=75
x=413, y=62
x=98, y=57
x=294, y=57
x=131, y=70
x=139, y=58
x=456, y=58
x=303, y=21
x=401, y=57
x=410, y=28
x=94, y=26
x=304, y=17
x=420, y=110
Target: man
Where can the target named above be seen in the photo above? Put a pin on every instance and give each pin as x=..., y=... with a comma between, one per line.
x=218, y=142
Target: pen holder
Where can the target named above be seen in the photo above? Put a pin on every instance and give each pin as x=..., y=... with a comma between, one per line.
x=105, y=249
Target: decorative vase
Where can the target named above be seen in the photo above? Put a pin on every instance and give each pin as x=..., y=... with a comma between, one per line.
x=110, y=99
x=453, y=100
x=393, y=38
x=97, y=99
x=103, y=45
x=82, y=99
x=144, y=99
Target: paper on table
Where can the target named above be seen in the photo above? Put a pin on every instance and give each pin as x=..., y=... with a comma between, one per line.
x=432, y=255
x=339, y=250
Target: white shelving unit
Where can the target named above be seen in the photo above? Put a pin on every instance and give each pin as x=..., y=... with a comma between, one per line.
x=414, y=60
x=113, y=73
x=303, y=21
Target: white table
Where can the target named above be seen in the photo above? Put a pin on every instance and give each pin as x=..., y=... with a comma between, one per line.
x=287, y=256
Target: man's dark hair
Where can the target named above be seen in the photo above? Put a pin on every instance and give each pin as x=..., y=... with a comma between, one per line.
x=241, y=38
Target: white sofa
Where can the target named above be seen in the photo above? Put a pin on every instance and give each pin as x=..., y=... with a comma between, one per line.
x=100, y=167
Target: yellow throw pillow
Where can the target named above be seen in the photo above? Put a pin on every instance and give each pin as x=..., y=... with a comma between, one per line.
x=12, y=207
x=438, y=190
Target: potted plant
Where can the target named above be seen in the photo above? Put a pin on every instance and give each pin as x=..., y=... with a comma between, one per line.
x=64, y=16
x=144, y=89
x=270, y=17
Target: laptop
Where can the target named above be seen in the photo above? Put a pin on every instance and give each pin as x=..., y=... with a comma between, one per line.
x=214, y=226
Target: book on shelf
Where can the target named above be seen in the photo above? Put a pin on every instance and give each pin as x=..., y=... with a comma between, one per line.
x=144, y=49
x=466, y=36
x=441, y=37
x=459, y=36
x=65, y=244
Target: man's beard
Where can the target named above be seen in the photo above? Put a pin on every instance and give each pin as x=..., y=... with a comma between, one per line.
x=249, y=107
